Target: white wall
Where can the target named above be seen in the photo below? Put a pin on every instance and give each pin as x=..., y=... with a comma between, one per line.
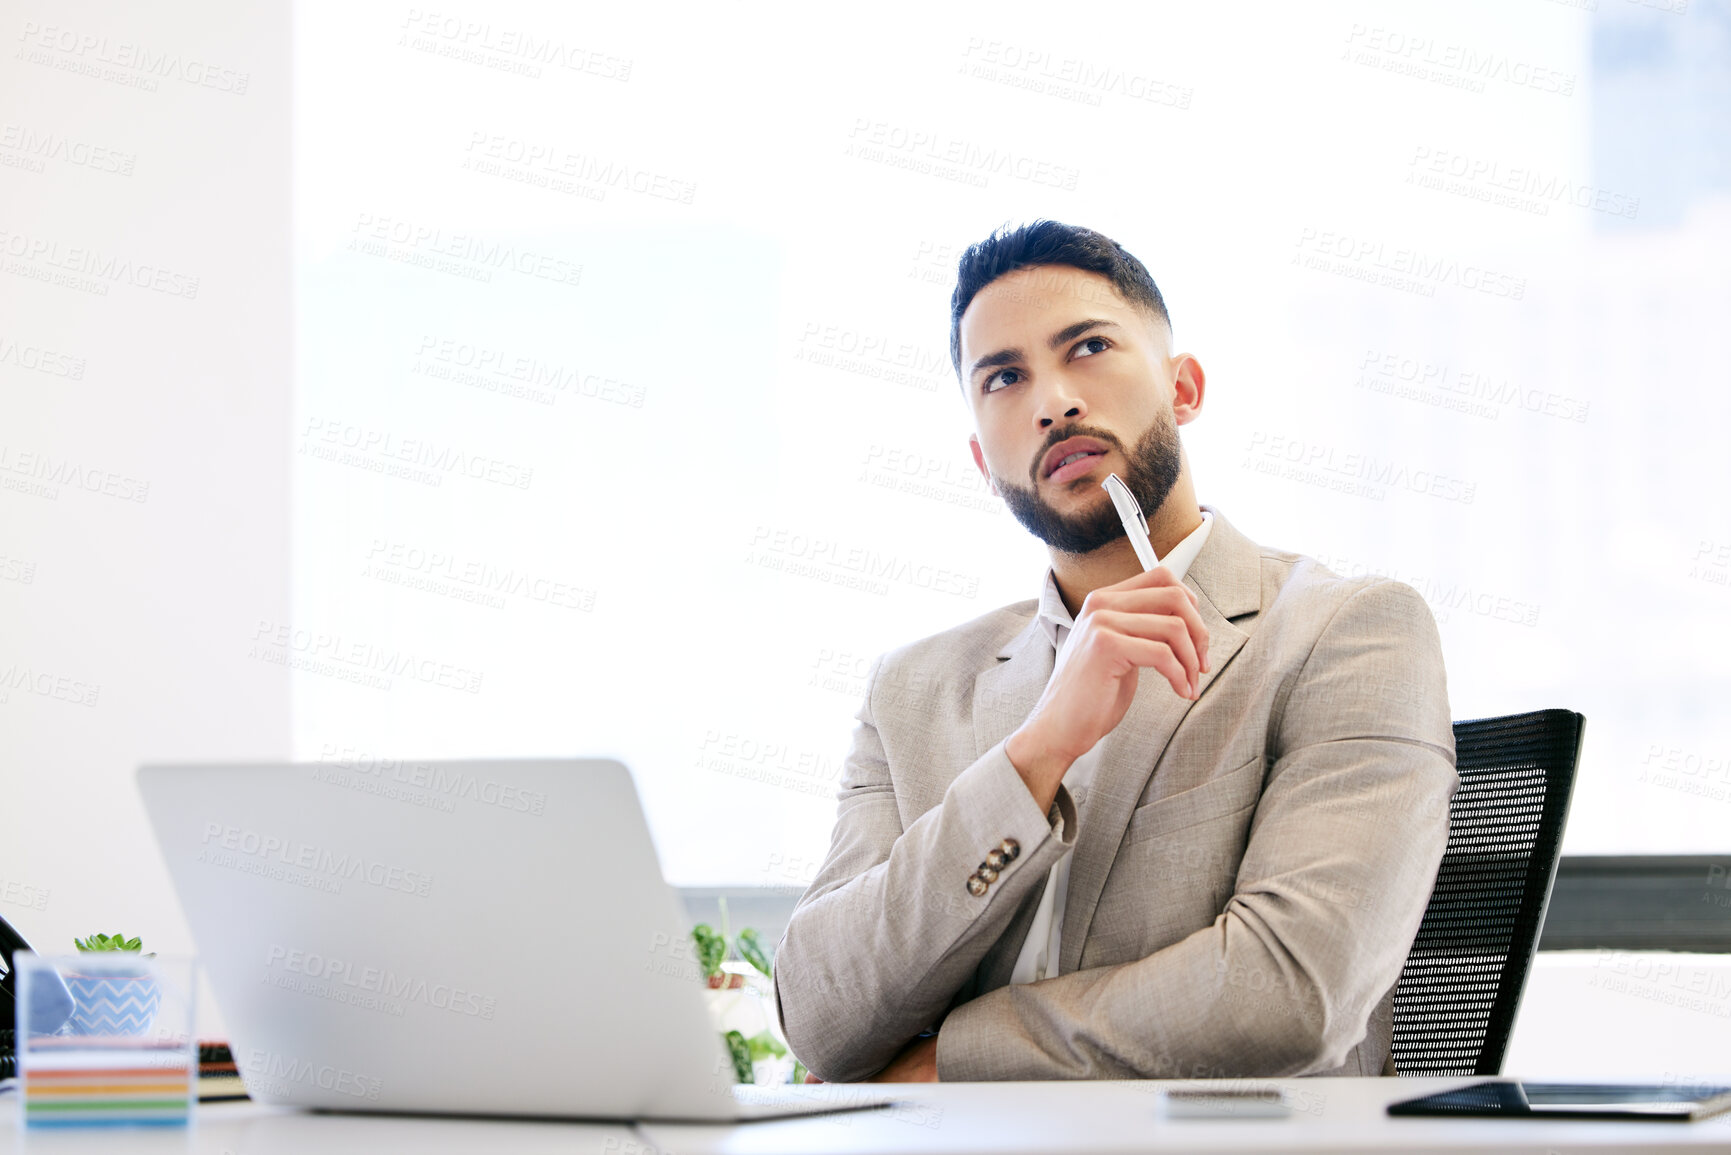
x=741, y=234
x=144, y=405
x=1624, y=1015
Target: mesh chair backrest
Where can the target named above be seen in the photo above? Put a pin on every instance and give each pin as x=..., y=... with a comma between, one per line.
x=1455, y=1004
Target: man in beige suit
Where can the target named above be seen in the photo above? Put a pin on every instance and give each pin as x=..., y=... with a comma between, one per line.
x=1046, y=866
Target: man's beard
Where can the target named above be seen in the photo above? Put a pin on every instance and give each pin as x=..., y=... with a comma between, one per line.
x=1151, y=474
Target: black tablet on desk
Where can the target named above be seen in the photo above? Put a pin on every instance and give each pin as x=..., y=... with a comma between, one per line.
x=1516, y=1099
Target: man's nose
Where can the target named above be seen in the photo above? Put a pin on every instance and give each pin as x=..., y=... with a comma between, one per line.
x=1057, y=401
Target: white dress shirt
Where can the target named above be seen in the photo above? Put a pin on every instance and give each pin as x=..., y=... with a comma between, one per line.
x=1040, y=951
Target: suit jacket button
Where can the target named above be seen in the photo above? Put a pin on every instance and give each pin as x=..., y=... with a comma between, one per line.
x=987, y=873
x=1010, y=848
x=976, y=885
x=997, y=859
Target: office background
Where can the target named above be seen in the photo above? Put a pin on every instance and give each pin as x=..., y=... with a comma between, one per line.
x=386, y=383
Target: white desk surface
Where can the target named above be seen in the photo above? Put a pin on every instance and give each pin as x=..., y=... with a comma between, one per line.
x=1331, y=1115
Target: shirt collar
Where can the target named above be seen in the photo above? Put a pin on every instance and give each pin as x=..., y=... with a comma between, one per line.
x=1055, y=615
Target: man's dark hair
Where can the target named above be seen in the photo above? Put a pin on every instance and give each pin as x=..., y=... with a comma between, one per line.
x=1048, y=243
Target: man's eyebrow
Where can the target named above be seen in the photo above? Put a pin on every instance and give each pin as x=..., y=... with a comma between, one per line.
x=993, y=360
x=1071, y=332
x=1067, y=333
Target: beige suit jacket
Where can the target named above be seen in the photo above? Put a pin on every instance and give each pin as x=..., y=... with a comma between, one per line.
x=1250, y=868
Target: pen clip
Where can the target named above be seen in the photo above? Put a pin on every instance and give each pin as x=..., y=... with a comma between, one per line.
x=1125, y=501
x=1135, y=524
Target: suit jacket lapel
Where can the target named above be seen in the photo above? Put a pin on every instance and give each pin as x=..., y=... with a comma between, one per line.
x=1005, y=693
x=1226, y=576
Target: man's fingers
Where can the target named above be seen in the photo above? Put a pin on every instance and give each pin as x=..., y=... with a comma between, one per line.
x=1154, y=579
x=1156, y=604
x=1158, y=656
x=1159, y=575
x=1169, y=631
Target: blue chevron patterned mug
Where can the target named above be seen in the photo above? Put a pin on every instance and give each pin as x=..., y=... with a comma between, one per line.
x=113, y=1004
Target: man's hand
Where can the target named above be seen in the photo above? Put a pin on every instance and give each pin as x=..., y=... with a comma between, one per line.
x=915, y=1063
x=1149, y=620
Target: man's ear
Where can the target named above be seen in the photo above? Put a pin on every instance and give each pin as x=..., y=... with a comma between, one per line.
x=980, y=461
x=1188, y=385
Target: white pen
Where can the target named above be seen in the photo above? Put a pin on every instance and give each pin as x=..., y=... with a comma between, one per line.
x=1135, y=525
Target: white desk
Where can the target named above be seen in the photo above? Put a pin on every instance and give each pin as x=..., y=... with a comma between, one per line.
x=1333, y=1115
x=251, y=1129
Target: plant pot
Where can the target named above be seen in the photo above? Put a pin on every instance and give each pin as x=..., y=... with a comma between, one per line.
x=113, y=1004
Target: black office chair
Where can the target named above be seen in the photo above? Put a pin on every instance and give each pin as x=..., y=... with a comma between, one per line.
x=1455, y=1004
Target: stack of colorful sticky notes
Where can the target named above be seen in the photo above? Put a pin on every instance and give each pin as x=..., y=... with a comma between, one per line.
x=96, y=1081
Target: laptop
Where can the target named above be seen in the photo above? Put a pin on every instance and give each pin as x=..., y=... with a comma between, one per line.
x=476, y=938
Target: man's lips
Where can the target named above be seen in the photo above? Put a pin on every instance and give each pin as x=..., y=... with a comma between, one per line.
x=1050, y=464
x=1076, y=468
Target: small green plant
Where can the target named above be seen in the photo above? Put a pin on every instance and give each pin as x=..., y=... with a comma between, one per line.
x=715, y=946
x=109, y=942
x=764, y=1045
x=744, y=1052
x=740, y=1052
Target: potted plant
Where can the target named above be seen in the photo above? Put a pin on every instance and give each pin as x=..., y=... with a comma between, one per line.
x=115, y=996
x=738, y=969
